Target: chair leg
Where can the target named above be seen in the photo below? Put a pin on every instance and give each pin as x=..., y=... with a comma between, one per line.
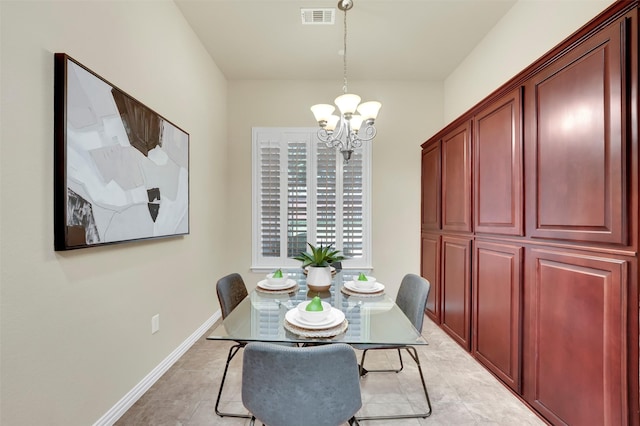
x=414, y=354
x=364, y=371
x=232, y=352
x=401, y=363
x=361, y=368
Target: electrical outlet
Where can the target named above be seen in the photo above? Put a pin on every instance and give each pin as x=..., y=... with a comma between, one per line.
x=155, y=323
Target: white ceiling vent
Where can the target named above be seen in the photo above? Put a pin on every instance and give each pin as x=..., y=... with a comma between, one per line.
x=318, y=16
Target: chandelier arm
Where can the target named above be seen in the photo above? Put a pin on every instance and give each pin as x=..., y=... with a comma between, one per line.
x=367, y=133
x=342, y=128
x=323, y=135
x=328, y=138
x=356, y=142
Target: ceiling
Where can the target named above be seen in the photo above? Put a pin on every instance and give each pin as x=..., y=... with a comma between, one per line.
x=387, y=39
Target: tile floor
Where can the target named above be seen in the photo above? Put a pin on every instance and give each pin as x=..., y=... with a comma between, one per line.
x=462, y=392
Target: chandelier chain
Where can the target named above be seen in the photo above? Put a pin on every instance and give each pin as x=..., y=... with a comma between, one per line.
x=344, y=56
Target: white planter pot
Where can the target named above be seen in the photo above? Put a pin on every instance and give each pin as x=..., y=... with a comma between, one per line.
x=319, y=278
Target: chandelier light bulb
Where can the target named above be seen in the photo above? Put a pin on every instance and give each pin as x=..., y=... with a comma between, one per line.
x=347, y=103
x=322, y=112
x=369, y=110
x=356, y=122
x=332, y=122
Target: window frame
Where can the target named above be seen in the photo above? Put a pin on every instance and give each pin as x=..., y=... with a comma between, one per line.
x=279, y=135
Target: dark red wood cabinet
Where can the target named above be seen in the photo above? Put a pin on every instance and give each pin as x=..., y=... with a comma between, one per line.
x=497, y=300
x=530, y=227
x=455, y=288
x=498, y=167
x=575, y=335
x=430, y=269
x=576, y=115
x=431, y=188
x=456, y=179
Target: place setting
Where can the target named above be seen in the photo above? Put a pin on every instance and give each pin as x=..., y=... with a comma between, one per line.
x=277, y=283
x=363, y=286
x=315, y=318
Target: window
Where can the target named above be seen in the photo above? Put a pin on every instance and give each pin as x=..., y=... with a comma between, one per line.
x=303, y=191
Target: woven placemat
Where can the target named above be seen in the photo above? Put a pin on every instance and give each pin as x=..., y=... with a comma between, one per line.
x=326, y=332
x=349, y=292
x=279, y=291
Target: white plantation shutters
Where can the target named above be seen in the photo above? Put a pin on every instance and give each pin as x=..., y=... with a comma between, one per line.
x=270, y=199
x=352, y=206
x=295, y=230
x=303, y=192
x=326, y=204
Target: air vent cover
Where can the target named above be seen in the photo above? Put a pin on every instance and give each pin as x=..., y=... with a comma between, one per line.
x=318, y=16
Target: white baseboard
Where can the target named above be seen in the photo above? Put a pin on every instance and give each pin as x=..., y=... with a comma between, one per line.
x=121, y=407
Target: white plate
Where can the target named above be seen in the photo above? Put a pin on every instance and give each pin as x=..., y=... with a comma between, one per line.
x=335, y=318
x=353, y=287
x=331, y=317
x=287, y=284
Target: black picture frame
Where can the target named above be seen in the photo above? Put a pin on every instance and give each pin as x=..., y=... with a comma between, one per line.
x=121, y=170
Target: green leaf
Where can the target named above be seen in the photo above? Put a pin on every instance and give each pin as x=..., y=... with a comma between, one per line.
x=319, y=256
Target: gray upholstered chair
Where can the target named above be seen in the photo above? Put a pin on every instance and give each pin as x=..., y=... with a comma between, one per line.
x=289, y=386
x=412, y=300
x=231, y=291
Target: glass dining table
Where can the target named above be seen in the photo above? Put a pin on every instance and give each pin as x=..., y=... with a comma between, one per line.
x=370, y=318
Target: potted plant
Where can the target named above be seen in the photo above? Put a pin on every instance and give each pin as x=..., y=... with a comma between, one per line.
x=319, y=261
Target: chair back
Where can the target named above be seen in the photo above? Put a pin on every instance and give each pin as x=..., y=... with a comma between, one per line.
x=231, y=291
x=290, y=386
x=412, y=298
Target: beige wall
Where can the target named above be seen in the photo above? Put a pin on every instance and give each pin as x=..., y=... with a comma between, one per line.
x=76, y=326
x=410, y=110
x=529, y=30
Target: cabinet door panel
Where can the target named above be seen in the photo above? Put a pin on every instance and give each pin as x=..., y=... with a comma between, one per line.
x=498, y=167
x=496, y=309
x=456, y=180
x=431, y=271
x=456, y=289
x=575, y=338
x=431, y=187
x=576, y=144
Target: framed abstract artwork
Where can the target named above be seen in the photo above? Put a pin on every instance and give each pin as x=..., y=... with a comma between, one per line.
x=121, y=170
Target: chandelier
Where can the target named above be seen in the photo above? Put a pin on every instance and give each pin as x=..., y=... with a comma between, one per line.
x=356, y=121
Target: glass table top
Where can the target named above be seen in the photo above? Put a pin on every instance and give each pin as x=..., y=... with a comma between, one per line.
x=370, y=319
